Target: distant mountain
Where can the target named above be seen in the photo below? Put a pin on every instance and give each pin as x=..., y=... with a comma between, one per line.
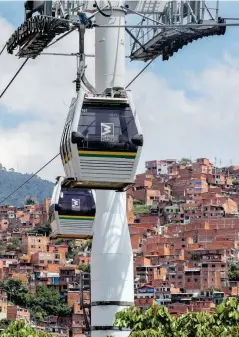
x=36, y=187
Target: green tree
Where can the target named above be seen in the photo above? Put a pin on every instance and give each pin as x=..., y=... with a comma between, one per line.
x=138, y=202
x=233, y=273
x=185, y=161
x=157, y=322
x=196, y=324
x=86, y=245
x=85, y=267
x=14, y=244
x=235, y=181
x=43, y=230
x=30, y=201
x=228, y=312
x=21, y=328
x=4, y=323
x=15, y=290
x=58, y=241
x=156, y=319
x=45, y=302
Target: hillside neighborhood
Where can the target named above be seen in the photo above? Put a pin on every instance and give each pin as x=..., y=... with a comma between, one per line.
x=183, y=221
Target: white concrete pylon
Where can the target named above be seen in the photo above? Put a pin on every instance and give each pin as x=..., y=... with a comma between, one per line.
x=110, y=51
x=112, y=279
x=112, y=287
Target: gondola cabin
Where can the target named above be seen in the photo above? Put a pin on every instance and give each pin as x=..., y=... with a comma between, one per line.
x=101, y=142
x=72, y=212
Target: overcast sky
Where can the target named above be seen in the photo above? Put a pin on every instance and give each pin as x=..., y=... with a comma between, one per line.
x=188, y=106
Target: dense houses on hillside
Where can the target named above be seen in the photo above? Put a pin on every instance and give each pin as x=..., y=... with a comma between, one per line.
x=183, y=222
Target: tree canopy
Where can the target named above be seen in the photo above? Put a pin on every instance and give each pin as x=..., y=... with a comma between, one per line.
x=84, y=267
x=22, y=329
x=185, y=161
x=45, y=302
x=29, y=200
x=14, y=244
x=233, y=273
x=235, y=181
x=157, y=322
x=43, y=230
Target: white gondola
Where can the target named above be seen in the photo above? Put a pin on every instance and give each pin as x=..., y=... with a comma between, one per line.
x=101, y=142
x=72, y=211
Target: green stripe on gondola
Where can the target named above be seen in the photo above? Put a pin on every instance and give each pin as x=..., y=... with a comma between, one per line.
x=99, y=154
x=66, y=217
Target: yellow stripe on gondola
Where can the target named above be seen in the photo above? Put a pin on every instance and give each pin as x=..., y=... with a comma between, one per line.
x=107, y=154
x=67, y=158
x=74, y=236
x=76, y=217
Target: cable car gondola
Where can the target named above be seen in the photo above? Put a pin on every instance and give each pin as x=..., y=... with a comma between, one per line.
x=101, y=142
x=72, y=211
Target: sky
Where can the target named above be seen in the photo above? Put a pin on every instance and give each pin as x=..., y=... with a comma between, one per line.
x=188, y=106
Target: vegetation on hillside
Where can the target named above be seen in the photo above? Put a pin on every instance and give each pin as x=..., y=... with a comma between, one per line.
x=12, y=244
x=87, y=245
x=235, y=181
x=44, y=230
x=85, y=267
x=36, y=188
x=141, y=208
x=45, y=302
x=233, y=272
x=185, y=161
x=22, y=329
x=157, y=322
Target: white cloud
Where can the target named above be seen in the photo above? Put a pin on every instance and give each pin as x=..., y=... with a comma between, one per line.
x=43, y=89
x=174, y=123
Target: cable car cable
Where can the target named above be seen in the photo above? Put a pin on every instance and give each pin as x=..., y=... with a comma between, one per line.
x=32, y=176
x=3, y=92
x=2, y=50
x=147, y=65
x=61, y=37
